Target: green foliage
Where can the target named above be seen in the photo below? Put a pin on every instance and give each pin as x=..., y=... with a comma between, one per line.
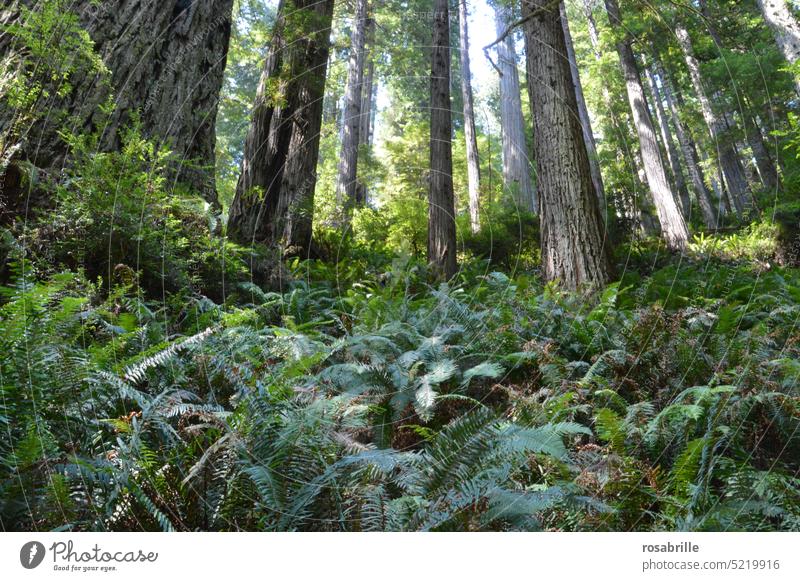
x=382, y=403
x=116, y=217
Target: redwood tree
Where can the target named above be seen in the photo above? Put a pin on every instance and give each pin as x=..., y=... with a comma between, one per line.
x=275, y=193
x=572, y=237
x=441, y=206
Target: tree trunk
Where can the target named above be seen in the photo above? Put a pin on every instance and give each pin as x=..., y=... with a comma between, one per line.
x=583, y=112
x=473, y=163
x=689, y=153
x=367, y=102
x=785, y=29
x=346, y=183
x=730, y=164
x=166, y=63
x=673, y=226
x=516, y=163
x=572, y=237
x=274, y=199
x=669, y=145
x=441, y=206
x=766, y=168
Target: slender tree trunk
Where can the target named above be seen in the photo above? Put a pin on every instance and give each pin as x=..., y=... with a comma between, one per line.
x=730, y=164
x=367, y=103
x=516, y=163
x=673, y=226
x=766, y=168
x=689, y=153
x=441, y=206
x=669, y=145
x=583, y=112
x=473, y=163
x=346, y=184
x=572, y=237
x=166, y=63
x=629, y=158
x=785, y=29
x=274, y=199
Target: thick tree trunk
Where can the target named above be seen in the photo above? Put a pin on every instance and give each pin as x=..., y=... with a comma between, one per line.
x=274, y=199
x=689, y=153
x=669, y=145
x=572, y=237
x=367, y=102
x=786, y=30
x=473, y=163
x=583, y=112
x=166, y=63
x=441, y=206
x=730, y=164
x=516, y=163
x=346, y=183
x=673, y=226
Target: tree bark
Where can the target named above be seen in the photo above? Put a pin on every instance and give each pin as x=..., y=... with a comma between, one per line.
x=785, y=29
x=583, y=113
x=166, y=61
x=346, y=183
x=689, y=150
x=441, y=206
x=572, y=237
x=669, y=145
x=367, y=106
x=274, y=199
x=766, y=168
x=673, y=226
x=730, y=164
x=473, y=162
x=516, y=163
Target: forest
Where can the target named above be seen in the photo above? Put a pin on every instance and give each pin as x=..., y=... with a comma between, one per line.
x=400, y=265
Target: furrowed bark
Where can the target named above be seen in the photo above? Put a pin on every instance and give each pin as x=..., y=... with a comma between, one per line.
x=583, y=112
x=572, y=237
x=441, y=206
x=275, y=193
x=166, y=62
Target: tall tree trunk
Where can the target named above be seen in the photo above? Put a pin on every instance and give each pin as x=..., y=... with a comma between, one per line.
x=673, y=226
x=346, y=183
x=473, y=163
x=583, y=112
x=166, y=63
x=766, y=168
x=630, y=158
x=730, y=164
x=274, y=199
x=441, y=206
x=786, y=30
x=516, y=163
x=689, y=153
x=572, y=237
x=669, y=145
x=367, y=105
